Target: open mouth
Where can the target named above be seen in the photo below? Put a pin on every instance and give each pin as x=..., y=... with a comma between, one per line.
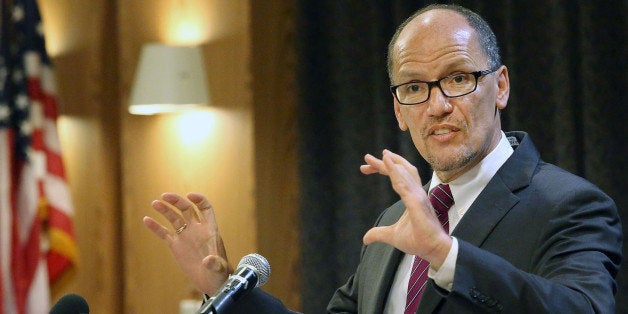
x=443, y=129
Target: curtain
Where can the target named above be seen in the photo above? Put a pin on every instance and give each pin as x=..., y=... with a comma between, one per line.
x=566, y=64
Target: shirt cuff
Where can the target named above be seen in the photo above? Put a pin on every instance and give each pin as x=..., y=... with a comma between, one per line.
x=444, y=276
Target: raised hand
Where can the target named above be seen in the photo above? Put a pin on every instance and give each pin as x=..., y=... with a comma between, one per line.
x=418, y=231
x=195, y=242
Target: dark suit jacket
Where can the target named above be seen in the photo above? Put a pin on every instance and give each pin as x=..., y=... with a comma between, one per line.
x=536, y=240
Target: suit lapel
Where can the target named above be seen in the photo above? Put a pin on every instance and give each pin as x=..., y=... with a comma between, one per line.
x=476, y=225
x=498, y=198
x=485, y=212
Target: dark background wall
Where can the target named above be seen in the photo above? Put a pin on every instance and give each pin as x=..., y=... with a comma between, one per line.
x=566, y=62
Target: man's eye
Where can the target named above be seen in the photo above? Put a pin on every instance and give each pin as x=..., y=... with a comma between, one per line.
x=461, y=78
x=413, y=88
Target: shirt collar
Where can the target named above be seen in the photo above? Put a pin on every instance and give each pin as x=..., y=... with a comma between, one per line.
x=468, y=186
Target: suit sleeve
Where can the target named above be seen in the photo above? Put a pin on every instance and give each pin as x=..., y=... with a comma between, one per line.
x=365, y=291
x=571, y=270
x=344, y=299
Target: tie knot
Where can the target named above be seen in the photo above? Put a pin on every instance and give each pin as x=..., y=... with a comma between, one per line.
x=441, y=199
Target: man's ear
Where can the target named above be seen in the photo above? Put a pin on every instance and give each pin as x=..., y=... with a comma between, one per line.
x=503, y=88
x=402, y=124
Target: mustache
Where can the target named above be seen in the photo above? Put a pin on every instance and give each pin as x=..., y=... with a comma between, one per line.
x=461, y=125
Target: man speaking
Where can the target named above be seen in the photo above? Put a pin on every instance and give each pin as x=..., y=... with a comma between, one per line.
x=496, y=229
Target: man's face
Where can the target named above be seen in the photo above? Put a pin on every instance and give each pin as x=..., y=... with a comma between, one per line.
x=452, y=134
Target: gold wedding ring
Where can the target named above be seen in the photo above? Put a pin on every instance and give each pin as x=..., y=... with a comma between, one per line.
x=181, y=228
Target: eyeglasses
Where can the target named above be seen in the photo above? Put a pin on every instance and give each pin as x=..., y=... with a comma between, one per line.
x=455, y=85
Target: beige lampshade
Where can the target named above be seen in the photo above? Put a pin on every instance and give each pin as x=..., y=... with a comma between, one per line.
x=169, y=79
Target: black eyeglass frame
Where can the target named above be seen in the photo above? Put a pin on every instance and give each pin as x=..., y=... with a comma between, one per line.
x=476, y=74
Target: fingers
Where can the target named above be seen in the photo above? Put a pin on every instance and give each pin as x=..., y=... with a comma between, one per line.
x=156, y=228
x=373, y=165
x=403, y=182
x=199, y=200
x=184, y=205
x=377, y=234
x=207, y=216
x=397, y=159
x=204, y=206
x=376, y=165
x=173, y=217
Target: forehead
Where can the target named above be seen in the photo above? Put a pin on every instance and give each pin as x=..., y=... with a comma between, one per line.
x=436, y=41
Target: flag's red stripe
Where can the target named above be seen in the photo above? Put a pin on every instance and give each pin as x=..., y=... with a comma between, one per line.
x=37, y=140
x=26, y=256
x=48, y=101
x=17, y=271
x=60, y=220
x=57, y=265
x=49, y=104
x=35, y=91
x=54, y=164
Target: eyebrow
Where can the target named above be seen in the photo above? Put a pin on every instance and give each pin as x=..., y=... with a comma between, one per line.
x=459, y=65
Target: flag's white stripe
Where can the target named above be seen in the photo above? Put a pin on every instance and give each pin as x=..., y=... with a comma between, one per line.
x=26, y=202
x=37, y=162
x=36, y=116
x=48, y=81
x=58, y=194
x=51, y=138
x=38, y=298
x=32, y=63
x=5, y=224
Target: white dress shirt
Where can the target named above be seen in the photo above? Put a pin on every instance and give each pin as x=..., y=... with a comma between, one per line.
x=465, y=189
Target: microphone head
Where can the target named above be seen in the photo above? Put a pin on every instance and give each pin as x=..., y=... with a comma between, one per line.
x=70, y=304
x=259, y=264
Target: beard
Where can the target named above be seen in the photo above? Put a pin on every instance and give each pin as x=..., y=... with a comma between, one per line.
x=471, y=145
x=458, y=160
x=451, y=160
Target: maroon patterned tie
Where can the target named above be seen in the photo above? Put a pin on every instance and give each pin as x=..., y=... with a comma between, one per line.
x=441, y=200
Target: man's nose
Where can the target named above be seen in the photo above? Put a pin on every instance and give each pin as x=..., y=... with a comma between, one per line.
x=438, y=104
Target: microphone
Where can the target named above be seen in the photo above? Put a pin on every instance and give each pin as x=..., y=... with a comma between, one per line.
x=70, y=304
x=253, y=271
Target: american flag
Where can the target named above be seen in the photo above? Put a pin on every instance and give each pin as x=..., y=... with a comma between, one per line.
x=37, y=242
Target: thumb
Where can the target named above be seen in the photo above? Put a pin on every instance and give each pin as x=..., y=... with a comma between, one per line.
x=217, y=264
x=377, y=234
